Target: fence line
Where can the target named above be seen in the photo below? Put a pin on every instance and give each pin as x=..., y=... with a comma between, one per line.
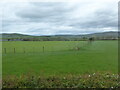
x=22, y=50
x=43, y=49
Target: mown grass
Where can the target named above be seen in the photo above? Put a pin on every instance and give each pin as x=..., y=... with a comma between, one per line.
x=60, y=57
x=61, y=65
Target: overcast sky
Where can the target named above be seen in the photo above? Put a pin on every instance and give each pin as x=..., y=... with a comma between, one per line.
x=51, y=18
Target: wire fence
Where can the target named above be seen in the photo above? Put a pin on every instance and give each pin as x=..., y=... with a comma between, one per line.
x=24, y=50
x=42, y=49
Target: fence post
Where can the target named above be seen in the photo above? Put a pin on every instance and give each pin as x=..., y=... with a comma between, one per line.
x=14, y=50
x=43, y=48
x=24, y=50
x=5, y=50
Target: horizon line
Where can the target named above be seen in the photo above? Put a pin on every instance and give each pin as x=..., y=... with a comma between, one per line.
x=60, y=34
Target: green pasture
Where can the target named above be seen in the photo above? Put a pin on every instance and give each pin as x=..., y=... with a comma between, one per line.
x=59, y=57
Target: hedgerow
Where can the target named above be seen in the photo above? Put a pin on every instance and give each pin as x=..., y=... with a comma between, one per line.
x=95, y=80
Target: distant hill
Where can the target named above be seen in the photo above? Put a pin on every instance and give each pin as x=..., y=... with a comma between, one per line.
x=98, y=36
x=104, y=34
x=13, y=35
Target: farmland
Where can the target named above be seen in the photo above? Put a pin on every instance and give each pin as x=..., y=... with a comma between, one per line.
x=59, y=57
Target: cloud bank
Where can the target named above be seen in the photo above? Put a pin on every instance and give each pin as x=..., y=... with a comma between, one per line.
x=51, y=18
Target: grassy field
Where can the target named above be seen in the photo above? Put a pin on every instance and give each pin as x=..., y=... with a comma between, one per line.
x=59, y=57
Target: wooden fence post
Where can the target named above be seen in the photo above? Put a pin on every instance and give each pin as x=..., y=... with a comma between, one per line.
x=43, y=48
x=5, y=50
x=14, y=50
x=24, y=50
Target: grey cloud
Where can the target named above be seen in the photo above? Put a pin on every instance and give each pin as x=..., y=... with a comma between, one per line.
x=44, y=12
x=56, y=14
x=99, y=19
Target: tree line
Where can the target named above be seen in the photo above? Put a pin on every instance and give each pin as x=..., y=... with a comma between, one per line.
x=58, y=39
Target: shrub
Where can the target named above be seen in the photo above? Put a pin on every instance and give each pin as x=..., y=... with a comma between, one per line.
x=95, y=80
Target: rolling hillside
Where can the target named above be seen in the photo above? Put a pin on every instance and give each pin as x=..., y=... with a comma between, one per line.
x=16, y=36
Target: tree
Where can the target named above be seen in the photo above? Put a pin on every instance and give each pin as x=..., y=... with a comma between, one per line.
x=91, y=39
x=8, y=39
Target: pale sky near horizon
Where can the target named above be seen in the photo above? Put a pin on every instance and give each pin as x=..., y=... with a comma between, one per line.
x=51, y=18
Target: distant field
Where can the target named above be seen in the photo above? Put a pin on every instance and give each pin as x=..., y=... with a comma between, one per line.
x=59, y=57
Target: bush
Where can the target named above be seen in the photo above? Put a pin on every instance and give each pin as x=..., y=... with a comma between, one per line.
x=95, y=80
